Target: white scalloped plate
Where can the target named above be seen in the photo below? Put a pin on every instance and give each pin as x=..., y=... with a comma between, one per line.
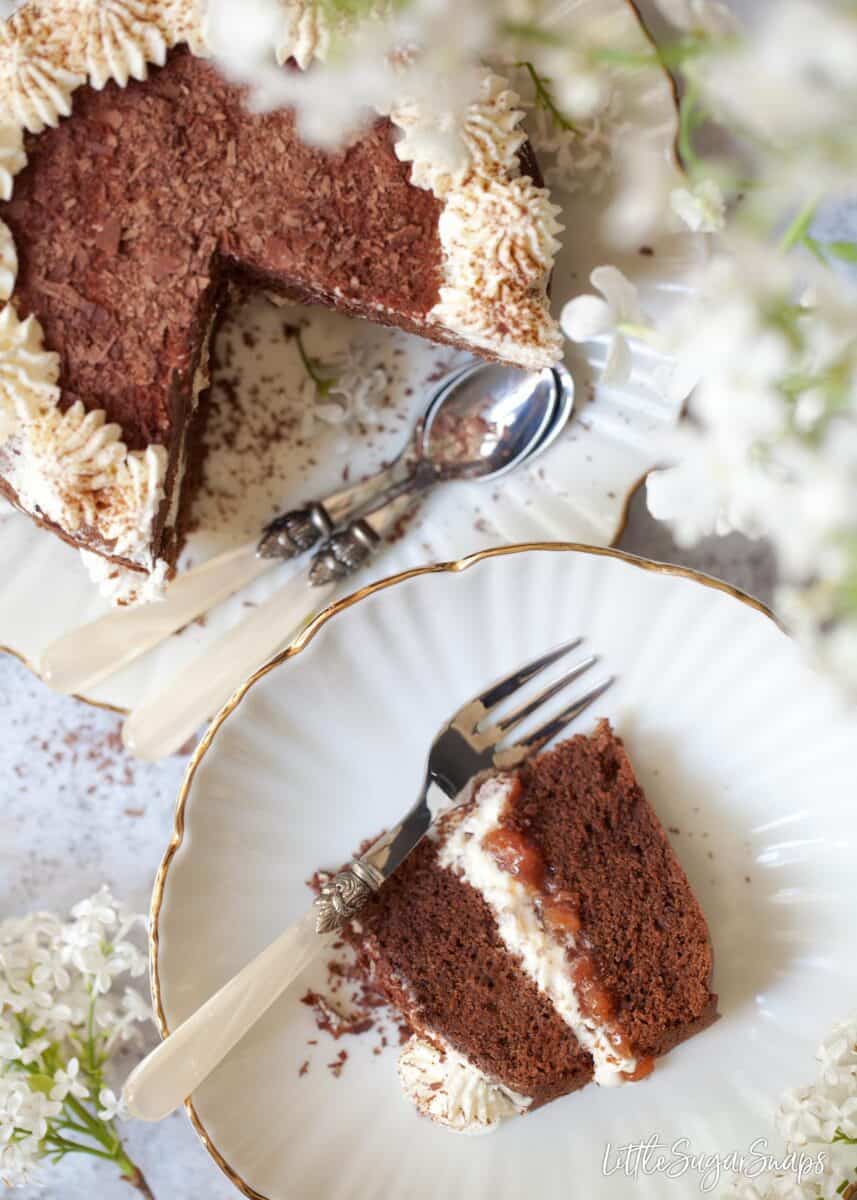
x=744, y=753
x=578, y=491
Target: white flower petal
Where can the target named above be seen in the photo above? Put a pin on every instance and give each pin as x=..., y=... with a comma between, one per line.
x=617, y=369
x=586, y=317
x=619, y=293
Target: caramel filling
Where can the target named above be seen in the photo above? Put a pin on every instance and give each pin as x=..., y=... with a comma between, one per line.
x=559, y=911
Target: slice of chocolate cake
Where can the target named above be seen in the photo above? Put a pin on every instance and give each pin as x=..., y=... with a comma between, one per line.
x=126, y=226
x=545, y=936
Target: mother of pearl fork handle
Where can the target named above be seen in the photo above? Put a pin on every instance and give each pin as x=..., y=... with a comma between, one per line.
x=164, y=722
x=84, y=657
x=191, y=1052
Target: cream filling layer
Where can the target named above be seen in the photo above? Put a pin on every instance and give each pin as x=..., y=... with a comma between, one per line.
x=542, y=957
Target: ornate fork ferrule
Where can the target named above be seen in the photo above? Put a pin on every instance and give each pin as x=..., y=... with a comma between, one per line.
x=342, y=897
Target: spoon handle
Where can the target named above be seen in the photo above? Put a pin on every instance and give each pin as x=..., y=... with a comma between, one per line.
x=163, y=722
x=86, y=656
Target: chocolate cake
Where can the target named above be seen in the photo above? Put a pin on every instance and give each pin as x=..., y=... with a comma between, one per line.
x=126, y=226
x=545, y=936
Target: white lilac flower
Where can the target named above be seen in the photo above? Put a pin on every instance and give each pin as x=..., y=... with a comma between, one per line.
x=352, y=396
x=62, y=1011
x=770, y=1186
x=806, y=1115
x=68, y=1083
x=34, y=1050
x=614, y=316
x=770, y=443
x=113, y=1107
x=701, y=206
x=837, y=1058
x=98, y=910
x=791, y=88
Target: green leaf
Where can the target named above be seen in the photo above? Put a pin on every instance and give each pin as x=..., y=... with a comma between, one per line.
x=847, y=251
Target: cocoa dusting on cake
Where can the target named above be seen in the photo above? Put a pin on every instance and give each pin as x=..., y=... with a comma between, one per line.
x=195, y=189
x=172, y=192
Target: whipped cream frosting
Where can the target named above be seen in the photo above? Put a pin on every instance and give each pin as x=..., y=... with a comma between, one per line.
x=121, y=586
x=305, y=34
x=71, y=467
x=498, y=235
x=542, y=957
x=36, y=80
x=12, y=157
x=113, y=39
x=498, y=230
x=28, y=373
x=8, y=262
x=448, y=1088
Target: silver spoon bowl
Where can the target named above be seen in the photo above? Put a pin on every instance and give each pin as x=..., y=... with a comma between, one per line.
x=481, y=422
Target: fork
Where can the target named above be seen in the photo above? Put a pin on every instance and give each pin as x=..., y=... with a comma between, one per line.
x=465, y=747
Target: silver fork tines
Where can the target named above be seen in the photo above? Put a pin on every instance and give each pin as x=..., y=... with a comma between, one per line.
x=464, y=747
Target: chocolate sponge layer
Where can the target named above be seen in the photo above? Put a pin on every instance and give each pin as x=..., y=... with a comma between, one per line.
x=429, y=942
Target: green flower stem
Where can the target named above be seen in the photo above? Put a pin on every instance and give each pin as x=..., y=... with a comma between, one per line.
x=691, y=116
x=800, y=226
x=100, y=1130
x=57, y=1145
x=544, y=97
x=132, y=1174
x=310, y=365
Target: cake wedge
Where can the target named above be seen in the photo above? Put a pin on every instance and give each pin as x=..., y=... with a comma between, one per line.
x=543, y=937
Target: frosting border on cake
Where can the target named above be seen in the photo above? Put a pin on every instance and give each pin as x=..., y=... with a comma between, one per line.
x=497, y=229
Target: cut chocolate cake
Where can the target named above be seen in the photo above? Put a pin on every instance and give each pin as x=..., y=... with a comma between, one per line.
x=544, y=937
x=125, y=227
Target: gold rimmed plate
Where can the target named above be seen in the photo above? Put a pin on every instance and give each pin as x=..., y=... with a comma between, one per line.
x=745, y=754
x=271, y=456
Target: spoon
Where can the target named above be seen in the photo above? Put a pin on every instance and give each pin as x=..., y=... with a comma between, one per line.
x=444, y=451
x=85, y=656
